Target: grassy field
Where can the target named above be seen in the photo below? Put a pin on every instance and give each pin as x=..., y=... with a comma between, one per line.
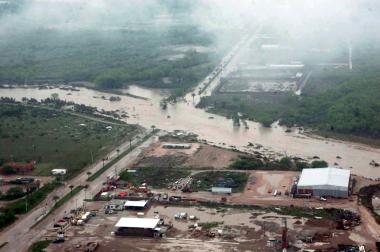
x=39, y=246
x=261, y=108
x=155, y=177
x=119, y=157
x=205, y=180
x=55, y=139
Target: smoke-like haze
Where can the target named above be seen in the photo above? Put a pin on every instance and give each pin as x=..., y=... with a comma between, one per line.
x=318, y=21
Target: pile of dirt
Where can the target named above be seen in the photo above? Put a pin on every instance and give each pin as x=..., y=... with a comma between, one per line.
x=324, y=223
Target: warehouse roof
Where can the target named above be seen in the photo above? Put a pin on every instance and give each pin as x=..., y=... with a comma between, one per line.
x=221, y=190
x=137, y=223
x=324, y=176
x=135, y=203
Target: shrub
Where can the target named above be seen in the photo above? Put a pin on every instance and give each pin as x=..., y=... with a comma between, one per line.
x=319, y=164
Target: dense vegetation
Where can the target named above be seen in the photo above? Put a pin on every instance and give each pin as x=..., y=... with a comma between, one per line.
x=351, y=107
x=150, y=56
x=260, y=108
x=12, y=193
x=22, y=206
x=203, y=181
x=334, y=100
x=54, y=139
x=39, y=246
x=244, y=162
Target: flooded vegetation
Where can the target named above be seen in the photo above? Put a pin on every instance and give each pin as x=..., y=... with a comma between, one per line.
x=220, y=130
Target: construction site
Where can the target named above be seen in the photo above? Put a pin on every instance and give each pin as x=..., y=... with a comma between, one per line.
x=198, y=199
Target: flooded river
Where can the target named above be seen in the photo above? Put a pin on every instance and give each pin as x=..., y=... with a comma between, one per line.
x=219, y=130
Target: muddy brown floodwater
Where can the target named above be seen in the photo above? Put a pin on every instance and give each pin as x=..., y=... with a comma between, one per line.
x=219, y=130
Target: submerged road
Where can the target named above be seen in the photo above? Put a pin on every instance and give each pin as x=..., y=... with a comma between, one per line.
x=19, y=236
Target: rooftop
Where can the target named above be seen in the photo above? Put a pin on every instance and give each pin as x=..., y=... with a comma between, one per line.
x=137, y=223
x=221, y=190
x=134, y=203
x=324, y=176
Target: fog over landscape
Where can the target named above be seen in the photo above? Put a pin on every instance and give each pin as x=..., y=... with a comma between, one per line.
x=191, y=125
x=321, y=20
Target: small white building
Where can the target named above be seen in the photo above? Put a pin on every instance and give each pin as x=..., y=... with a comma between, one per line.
x=221, y=190
x=330, y=182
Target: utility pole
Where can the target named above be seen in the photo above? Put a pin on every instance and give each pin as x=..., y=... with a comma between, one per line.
x=84, y=200
x=284, y=242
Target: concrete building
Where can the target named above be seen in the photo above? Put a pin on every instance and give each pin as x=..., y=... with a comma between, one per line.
x=321, y=182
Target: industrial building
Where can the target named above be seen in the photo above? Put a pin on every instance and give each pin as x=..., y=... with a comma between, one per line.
x=324, y=182
x=138, y=227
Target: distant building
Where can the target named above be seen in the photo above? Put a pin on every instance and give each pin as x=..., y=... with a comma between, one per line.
x=321, y=182
x=138, y=227
x=176, y=146
x=221, y=190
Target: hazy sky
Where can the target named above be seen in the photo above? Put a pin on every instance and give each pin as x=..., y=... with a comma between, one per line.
x=318, y=20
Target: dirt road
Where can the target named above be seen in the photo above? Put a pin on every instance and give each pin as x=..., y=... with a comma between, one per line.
x=22, y=234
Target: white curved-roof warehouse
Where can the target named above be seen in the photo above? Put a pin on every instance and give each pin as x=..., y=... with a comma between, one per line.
x=323, y=178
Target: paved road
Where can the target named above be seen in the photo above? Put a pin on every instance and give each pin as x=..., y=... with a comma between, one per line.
x=22, y=234
x=226, y=66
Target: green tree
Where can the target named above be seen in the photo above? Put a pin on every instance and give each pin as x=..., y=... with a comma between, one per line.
x=319, y=164
x=8, y=170
x=15, y=193
x=55, y=96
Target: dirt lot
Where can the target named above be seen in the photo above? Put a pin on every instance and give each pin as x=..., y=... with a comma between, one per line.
x=264, y=183
x=209, y=156
x=234, y=229
x=199, y=156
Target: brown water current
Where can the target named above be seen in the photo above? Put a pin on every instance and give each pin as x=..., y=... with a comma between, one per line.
x=219, y=130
